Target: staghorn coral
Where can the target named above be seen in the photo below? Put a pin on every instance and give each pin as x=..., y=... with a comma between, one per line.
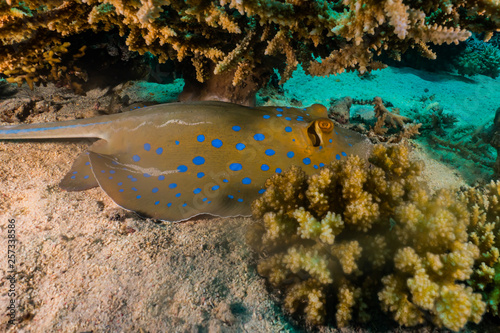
x=359, y=233
x=229, y=47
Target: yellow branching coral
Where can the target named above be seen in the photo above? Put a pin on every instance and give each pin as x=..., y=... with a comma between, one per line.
x=246, y=39
x=484, y=232
x=360, y=232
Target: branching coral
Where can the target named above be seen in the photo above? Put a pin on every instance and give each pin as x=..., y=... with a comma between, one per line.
x=333, y=237
x=479, y=58
x=239, y=42
x=484, y=232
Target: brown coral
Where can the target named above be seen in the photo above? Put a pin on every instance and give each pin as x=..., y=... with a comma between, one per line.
x=340, y=231
x=240, y=42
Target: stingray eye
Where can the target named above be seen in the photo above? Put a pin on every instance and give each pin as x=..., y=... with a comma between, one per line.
x=325, y=125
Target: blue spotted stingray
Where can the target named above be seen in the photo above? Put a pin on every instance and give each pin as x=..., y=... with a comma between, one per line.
x=175, y=161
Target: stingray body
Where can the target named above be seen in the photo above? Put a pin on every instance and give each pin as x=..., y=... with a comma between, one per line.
x=175, y=161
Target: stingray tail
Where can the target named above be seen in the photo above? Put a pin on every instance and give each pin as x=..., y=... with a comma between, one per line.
x=82, y=128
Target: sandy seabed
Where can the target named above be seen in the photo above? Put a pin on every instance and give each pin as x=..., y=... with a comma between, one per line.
x=85, y=265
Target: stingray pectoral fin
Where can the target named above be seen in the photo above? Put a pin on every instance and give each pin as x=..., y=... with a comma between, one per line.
x=166, y=195
x=80, y=177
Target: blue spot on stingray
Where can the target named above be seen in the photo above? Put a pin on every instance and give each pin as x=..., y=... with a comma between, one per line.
x=134, y=189
x=225, y=181
x=267, y=116
x=88, y=163
x=322, y=164
x=330, y=140
x=161, y=177
x=288, y=129
x=154, y=190
x=198, y=160
x=184, y=204
x=112, y=162
x=259, y=137
x=270, y=152
x=102, y=171
x=290, y=154
x=236, y=128
x=235, y=167
x=73, y=177
x=120, y=184
x=264, y=167
x=300, y=118
x=138, y=197
x=200, y=138
x=133, y=179
x=176, y=142
x=172, y=185
x=75, y=172
x=209, y=202
x=240, y=146
x=178, y=195
x=217, y=143
x=147, y=175
x=182, y=168
x=136, y=158
x=320, y=147
x=197, y=190
x=230, y=196
x=157, y=203
x=112, y=172
x=169, y=204
x=278, y=170
x=337, y=157
x=336, y=133
x=246, y=181
x=159, y=151
x=350, y=144
x=204, y=199
x=344, y=154
x=315, y=166
x=110, y=177
x=147, y=147
x=288, y=118
x=262, y=191
x=121, y=190
x=279, y=109
x=306, y=161
x=200, y=174
x=130, y=176
x=279, y=115
x=240, y=200
x=216, y=187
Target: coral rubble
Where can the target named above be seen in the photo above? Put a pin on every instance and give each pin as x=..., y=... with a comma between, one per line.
x=233, y=43
x=364, y=232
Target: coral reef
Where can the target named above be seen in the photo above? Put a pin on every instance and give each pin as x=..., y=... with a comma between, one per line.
x=491, y=135
x=484, y=232
x=385, y=126
x=363, y=232
x=479, y=58
x=231, y=45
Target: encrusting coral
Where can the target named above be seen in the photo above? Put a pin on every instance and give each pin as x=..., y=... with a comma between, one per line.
x=228, y=48
x=364, y=232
